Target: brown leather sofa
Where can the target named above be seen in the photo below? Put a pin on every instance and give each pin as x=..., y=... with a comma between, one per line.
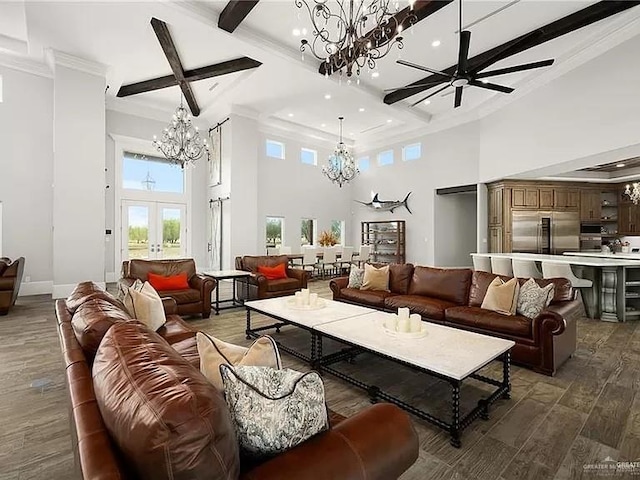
x=195, y=300
x=10, y=280
x=149, y=412
x=453, y=297
x=258, y=287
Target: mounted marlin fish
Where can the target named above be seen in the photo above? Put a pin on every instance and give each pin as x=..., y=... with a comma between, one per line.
x=387, y=205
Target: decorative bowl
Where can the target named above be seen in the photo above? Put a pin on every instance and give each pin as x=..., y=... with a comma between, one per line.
x=291, y=303
x=392, y=333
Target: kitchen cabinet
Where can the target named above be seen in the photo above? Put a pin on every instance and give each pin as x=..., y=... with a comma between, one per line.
x=566, y=198
x=546, y=197
x=628, y=219
x=495, y=240
x=495, y=205
x=590, y=206
x=524, y=197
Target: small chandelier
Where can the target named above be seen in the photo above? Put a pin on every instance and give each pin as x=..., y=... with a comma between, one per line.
x=633, y=192
x=359, y=33
x=341, y=167
x=181, y=142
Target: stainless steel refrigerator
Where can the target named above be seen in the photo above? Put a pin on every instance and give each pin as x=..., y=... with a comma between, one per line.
x=550, y=232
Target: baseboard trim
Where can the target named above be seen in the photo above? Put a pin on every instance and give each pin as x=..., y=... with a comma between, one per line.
x=35, y=288
x=64, y=290
x=110, y=277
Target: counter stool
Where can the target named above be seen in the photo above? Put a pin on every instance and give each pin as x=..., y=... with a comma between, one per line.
x=525, y=269
x=481, y=264
x=501, y=266
x=563, y=270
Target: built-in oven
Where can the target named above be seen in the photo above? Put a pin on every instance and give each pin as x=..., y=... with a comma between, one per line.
x=590, y=237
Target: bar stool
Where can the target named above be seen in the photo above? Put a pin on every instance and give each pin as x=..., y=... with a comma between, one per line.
x=501, y=266
x=481, y=264
x=563, y=270
x=525, y=269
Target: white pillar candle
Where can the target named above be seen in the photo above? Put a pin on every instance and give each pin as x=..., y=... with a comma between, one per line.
x=313, y=299
x=415, y=323
x=403, y=313
x=403, y=325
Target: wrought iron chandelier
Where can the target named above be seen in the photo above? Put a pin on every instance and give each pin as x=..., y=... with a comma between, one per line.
x=341, y=167
x=633, y=191
x=356, y=34
x=181, y=142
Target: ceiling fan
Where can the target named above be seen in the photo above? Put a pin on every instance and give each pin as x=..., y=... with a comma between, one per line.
x=466, y=75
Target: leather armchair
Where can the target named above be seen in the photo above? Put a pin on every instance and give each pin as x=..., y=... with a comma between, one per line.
x=257, y=286
x=10, y=280
x=196, y=300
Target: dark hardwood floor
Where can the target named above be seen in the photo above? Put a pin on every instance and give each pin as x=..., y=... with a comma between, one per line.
x=550, y=429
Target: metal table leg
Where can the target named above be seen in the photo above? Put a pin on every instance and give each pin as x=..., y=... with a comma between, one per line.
x=454, y=428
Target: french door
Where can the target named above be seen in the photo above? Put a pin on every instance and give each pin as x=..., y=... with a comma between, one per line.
x=153, y=230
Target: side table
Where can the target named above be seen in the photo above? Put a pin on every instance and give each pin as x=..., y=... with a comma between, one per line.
x=233, y=275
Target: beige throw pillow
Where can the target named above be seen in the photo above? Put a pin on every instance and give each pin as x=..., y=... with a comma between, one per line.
x=375, y=278
x=502, y=297
x=125, y=297
x=214, y=352
x=147, y=306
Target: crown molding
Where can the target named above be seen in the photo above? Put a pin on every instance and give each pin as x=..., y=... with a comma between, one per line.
x=244, y=111
x=76, y=63
x=24, y=64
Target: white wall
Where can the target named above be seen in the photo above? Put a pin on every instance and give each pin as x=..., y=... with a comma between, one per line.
x=26, y=137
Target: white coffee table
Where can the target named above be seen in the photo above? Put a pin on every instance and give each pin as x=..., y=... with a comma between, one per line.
x=278, y=309
x=447, y=353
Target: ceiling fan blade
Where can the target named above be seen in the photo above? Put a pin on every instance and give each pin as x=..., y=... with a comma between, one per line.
x=430, y=95
x=492, y=86
x=463, y=52
x=426, y=69
x=419, y=85
x=458, y=100
x=516, y=68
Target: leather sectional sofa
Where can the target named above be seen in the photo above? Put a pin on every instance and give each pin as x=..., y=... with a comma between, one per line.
x=145, y=389
x=10, y=280
x=453, y=297
x=258, y=286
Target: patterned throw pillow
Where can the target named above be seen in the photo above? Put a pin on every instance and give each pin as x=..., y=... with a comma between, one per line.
x=356, y=277
x=274, y=410
x=533, y=298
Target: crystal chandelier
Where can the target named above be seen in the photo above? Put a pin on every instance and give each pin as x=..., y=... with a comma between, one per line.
x=181, y=142
x=341, y=167
x=358, y=33
x=633, y=192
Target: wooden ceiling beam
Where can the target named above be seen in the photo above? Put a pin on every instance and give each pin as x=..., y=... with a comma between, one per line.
x=168, y=47
x=234, y=13
x=405, y=17
x=223, y=68
x=587, y=16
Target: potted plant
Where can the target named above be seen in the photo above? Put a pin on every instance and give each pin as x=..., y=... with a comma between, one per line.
x=327, y=238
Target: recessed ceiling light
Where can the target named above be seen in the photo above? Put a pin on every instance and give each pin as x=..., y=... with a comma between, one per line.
x=375, y=74
x=291, y=114
x=427, y=102
x=361, y=109
x=484, y=80
x=435, y=43
x=389, y=121
x=327, y=96
x=323, y=124
x=296, y=32
x=620, y=165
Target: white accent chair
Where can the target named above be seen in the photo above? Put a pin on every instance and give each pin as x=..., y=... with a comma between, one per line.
x=525, y=269
x=273, y=251
x=563, y=270
x=501, y=266
x=481, y=264
x=363, y=255
x=328, y=261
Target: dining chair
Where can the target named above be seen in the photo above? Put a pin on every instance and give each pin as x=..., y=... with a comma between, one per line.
x=363, y=255
x=481, y=264
x=309, y=260
x=285, y=250
x=328, y=261
x=346, y=257
x=563, y=270
x=501, y=266
x=273, y=251
x=525, y=269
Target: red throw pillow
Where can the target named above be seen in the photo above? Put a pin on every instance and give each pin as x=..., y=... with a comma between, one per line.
x=172, y=282
x=274, y=273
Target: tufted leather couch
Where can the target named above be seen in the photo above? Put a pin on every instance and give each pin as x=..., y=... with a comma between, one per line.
x=140, y=408
x=10, y=279
x=453, y=297
x=195, y=300
x=257, y=285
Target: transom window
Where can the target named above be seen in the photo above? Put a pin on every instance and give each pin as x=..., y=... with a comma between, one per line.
x=275, y=149
x=412, y=152
x=385, y=158
x=308, y=156
x=148, y=173
x=364, y=164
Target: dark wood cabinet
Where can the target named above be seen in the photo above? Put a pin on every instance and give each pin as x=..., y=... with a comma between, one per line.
x=546, y=197
x=495, y=240
x=495, y=205
x=566, y=198
x=524, y=197
x=387, y=240
x=590, y=206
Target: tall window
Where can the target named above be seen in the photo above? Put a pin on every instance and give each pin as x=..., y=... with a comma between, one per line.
x=308, y=156
x=412, y=152
x=337, y=228
x=307, y=231
x=275, y=231
x=275, y=149
x=385, y=158
x=363, y=164
x=143, y=172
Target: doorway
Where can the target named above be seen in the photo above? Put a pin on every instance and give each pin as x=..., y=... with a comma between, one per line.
x=153, y=230
x=455, y=232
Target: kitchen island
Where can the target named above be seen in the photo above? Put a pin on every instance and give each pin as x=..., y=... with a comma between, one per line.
x=616, y=280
